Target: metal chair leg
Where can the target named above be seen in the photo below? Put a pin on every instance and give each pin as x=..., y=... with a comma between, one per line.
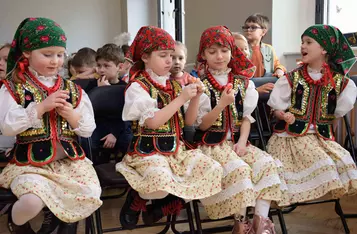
x=282, y=221
x=339, y=211
x=197, y=217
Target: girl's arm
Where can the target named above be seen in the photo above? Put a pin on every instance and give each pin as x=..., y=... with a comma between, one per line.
x=226, y=99
x=140, y=106
x=14, y=119
x=346, y=100
x=280, y=97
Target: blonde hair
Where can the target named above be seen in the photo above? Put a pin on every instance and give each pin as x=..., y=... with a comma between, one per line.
x=183, y=46
x=239, y=36
x=6, y=45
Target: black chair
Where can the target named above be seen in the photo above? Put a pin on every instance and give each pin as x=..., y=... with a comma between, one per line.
x=108, y=102
x=86, y=84
x=263, y=122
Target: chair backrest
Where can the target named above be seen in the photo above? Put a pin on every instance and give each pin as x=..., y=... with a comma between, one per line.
x=107, y=101
x=86, y=84
x=259, y=81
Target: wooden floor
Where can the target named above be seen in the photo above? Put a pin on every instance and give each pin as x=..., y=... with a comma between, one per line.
x=314, y=219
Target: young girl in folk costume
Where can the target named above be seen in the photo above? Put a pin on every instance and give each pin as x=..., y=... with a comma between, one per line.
x=306, y=101
x=46, y=113
x=224, y=119
x=178, y=64
x=157, y=163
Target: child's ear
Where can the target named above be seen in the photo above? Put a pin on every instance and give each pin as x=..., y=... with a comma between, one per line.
x=26, y=54
x=145, y=58
x=265, y=31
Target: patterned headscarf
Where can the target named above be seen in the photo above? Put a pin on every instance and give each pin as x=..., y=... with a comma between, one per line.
x=335, y=44
x=221, y=35
x=33, y=34
x=147, y=40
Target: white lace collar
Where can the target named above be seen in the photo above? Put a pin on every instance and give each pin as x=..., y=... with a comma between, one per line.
x=35, y=73
x=219, y=73
x=159, y=79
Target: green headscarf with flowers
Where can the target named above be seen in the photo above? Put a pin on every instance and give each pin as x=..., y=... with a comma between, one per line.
x=33, y=34
x=336, y=45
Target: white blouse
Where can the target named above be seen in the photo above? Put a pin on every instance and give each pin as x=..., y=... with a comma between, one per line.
x=280, y=97
x=249, y=104
x=15, y=119
x=138, y=103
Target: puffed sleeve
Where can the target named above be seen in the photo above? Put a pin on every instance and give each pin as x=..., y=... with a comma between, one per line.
x=86, y=124
x=250, y=101
x=138, y=104
x=280, y=97
x=346, y=100
x=14, y=118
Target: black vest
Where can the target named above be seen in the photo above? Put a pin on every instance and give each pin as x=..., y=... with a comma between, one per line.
x=312, y=104
x=166, y=139
x=37, y=146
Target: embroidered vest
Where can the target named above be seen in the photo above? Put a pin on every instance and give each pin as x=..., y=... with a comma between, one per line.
x=312, y=104
x=166, y=139
x=37, y=146
x=229, y=119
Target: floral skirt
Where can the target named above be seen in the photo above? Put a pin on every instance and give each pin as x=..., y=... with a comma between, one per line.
x=313, y=168
x=245, y=179
x=70, y=189
x=189, y=174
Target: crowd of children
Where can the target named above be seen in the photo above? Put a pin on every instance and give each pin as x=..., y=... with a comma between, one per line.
x=44, y=114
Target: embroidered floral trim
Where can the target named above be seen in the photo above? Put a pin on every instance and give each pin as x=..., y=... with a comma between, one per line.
x=32, y=115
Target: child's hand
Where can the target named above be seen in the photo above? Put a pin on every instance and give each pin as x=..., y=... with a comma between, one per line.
x=265, y=88
x=66, y=111
x=189, y=92
x=278, y=73
x=55, y=100
x=289, y=118
x=110, y=141
x=240, y=149
x=227, y=96
x=102, y=81
x=279, y=114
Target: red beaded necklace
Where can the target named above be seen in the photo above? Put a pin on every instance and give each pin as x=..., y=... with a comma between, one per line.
x=215, y=84
x=327, y=76
x=156, y=84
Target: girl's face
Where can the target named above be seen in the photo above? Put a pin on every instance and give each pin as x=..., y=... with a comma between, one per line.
x=243, y=46
x=178, y=60
x=311, y=51
x=46, y=61
x=217, y=57
x=160, y=61
x=3, y=61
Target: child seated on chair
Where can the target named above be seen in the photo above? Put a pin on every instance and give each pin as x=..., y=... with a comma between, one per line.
x=84, y=64
x=158, y=166
x=262, y=55
x=46, y=113
x=110, y=65
x=306, y=101
x=179, y=57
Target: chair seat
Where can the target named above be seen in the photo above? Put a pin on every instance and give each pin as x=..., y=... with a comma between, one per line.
x=108, y=176
x=6, y=196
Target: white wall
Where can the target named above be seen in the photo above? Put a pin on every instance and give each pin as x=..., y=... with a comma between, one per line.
x=290, y=19
x=89, y=23
x=201, y=14
x=140, y=13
